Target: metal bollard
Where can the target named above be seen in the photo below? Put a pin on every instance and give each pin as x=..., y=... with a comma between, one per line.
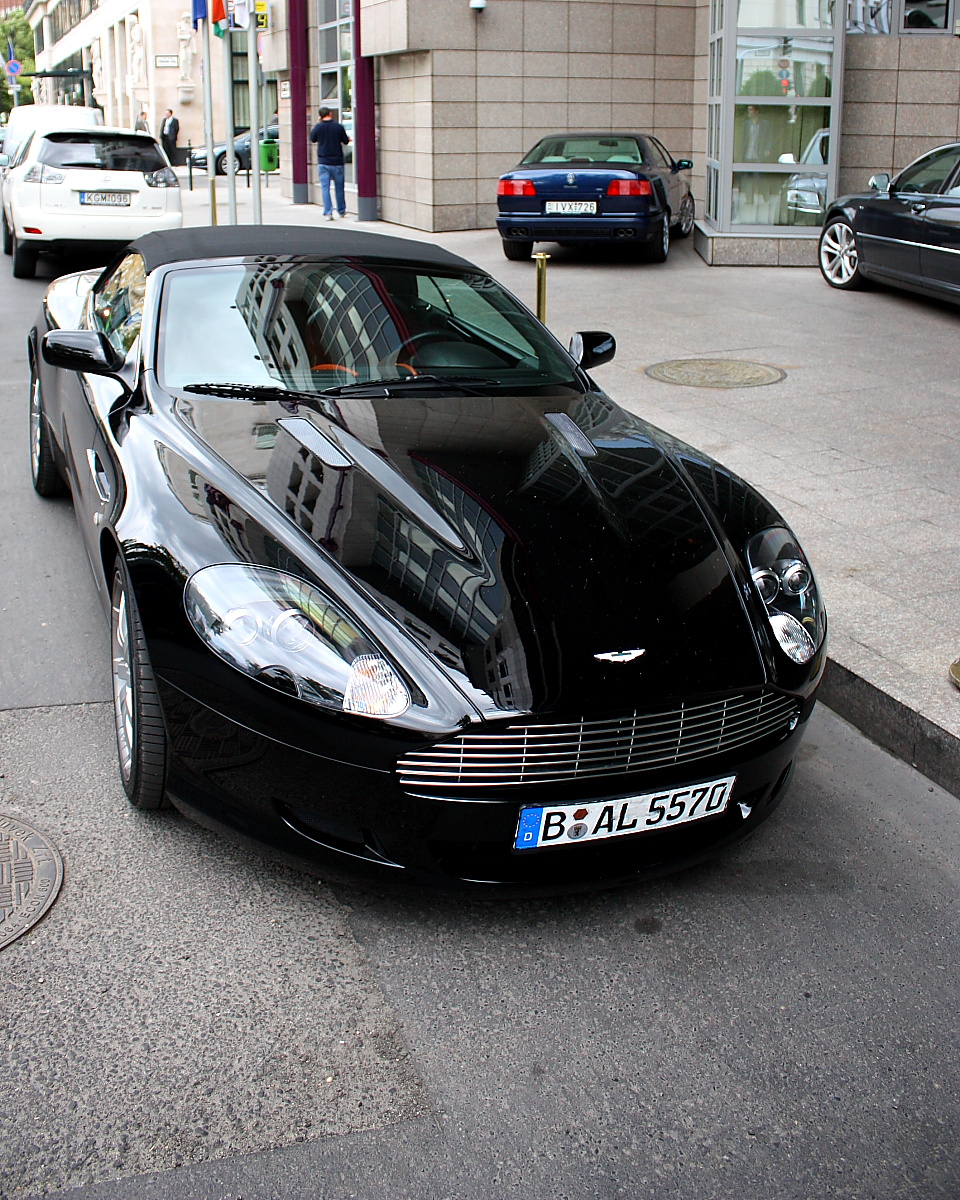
x=541, y=257
x=189, y=166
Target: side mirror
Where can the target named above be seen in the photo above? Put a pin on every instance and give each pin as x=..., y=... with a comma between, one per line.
x=879, y=182
x=592, y=348
x=786, y=158
x=4, y=160
x=685, y=164
x=80, y=350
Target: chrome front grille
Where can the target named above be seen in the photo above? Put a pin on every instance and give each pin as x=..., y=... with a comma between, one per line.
x=516, y=754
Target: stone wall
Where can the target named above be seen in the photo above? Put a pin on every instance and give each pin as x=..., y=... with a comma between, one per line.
x=462, y=95
x=901, y=97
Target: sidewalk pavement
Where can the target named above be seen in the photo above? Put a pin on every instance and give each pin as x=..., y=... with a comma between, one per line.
x=859, y=446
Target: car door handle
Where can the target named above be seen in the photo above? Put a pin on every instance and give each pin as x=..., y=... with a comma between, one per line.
x=918, y=207
x=99, y=475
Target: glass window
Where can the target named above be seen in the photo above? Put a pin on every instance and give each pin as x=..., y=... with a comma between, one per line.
x=925, y=14
x=318, y=325
x=118, y=303
x=785, y=14
x=769, y=133
x=585, y=150
x=929, y=173
x=23, y=152
x=101, y=151
x=773, y=66
x=660, y=156
x=762, y=198
x=869, y=16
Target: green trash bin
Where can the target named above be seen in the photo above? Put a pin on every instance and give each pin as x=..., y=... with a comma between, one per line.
x=269, y=155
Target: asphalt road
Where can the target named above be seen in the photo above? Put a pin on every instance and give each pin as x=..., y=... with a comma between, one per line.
x=192, y=1022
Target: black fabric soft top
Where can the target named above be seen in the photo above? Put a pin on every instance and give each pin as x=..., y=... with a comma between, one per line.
x=241, y=241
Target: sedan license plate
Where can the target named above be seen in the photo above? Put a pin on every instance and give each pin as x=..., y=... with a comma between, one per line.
x=556, y=825
x=570, y=207
x=117, y=199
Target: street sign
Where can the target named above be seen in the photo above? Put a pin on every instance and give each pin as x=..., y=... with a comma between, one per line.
x=166, y=60
x=14, y=67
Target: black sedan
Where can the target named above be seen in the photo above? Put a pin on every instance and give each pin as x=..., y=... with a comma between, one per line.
x=904, y=231
x=393, y=586
x=583, y=188
x=241, y=150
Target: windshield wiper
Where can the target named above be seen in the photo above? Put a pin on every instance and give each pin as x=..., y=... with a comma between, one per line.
x=252, y=391
x=467, y=384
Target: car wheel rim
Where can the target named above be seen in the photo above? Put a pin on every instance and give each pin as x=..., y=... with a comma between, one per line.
x=35, y=428
x=686, y=217
x=838, y=253
x=123, y=695
x=666, y=235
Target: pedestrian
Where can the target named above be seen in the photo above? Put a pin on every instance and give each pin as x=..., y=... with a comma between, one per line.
x=330, y=137
x=169, y=132
x=141, y=125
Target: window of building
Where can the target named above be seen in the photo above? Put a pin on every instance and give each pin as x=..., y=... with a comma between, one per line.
x=901, y=16
x=335, y=18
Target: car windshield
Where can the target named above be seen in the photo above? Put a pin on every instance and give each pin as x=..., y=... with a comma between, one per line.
x=585, y=150
x=316, y=326
x=101, y=151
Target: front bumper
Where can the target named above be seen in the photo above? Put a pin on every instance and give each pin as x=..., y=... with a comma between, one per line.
x=522, y=227
x=355, y=823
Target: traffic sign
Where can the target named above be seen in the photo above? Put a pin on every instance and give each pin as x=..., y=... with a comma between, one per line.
x=13, y=67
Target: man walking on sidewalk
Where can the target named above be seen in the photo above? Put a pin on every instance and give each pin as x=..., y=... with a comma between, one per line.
x=330, y=137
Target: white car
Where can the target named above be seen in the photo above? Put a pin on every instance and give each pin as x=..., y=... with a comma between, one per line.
x=40, y=118
x=92, y=188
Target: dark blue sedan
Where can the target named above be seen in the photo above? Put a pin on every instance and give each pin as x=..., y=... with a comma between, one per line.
x=581, y=188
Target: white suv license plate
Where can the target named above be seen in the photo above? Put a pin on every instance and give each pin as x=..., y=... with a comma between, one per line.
x=116, y=199
x=565, y=823
x=569, y=207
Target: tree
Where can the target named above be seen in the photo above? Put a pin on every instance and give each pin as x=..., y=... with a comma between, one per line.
x=14, y=27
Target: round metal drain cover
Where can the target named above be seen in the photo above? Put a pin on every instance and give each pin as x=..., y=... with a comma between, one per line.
x=715, y=373
x=31, y=872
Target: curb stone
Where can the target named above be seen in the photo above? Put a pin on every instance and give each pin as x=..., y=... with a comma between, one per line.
x=896, y=727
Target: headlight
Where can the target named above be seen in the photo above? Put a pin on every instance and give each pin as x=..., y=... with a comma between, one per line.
x=782, y=576
x=287, y=634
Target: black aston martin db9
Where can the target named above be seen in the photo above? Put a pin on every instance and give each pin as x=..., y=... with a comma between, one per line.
x=394, y=587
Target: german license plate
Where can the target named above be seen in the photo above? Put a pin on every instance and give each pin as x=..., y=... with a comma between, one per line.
x=569, y=207
x=557, y=825
x=117, y=199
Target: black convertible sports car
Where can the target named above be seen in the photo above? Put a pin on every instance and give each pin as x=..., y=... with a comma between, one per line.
x=904, y=231
x=394, y=587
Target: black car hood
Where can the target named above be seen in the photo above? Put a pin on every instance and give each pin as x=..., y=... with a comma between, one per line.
x=512, y=558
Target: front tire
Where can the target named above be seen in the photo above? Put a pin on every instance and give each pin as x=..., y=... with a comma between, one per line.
x=517, y=251
x=657, y=250
x=43, y=468
x=687, y=216
x=24, y=260
x=839, y=257
x=138, y=717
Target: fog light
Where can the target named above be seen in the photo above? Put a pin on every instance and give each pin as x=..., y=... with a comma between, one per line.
x=374, y=689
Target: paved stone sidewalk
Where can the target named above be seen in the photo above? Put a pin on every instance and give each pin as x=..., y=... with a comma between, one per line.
x=859, y=445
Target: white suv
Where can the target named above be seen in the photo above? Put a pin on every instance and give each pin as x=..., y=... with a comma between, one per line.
x=93, y=188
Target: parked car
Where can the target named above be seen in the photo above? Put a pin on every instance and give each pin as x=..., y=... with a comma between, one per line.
x=904, y=231
x=394, y=587
x=84, y=188
x=42, y=118
x=807, y=190
x=582, y=188
x=241, y=149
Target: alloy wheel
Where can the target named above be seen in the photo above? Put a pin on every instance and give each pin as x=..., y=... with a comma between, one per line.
x=35, y=429
x=666, y=236
x=686, y=217
x=838, y=253
x=123, y=689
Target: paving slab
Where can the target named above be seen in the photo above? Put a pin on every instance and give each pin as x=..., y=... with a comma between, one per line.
x=859, y=446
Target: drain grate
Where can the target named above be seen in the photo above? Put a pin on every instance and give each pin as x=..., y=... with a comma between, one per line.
x=31, y=872
x=715, y=373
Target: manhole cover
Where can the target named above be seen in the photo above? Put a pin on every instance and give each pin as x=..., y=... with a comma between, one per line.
x=715, y=373
x=31, y=872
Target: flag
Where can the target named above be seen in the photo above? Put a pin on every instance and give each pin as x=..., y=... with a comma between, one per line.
x=218, y=15
x=199, y=11
x=241, y=13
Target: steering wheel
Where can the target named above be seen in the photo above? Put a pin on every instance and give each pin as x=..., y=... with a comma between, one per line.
x=421, y=339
